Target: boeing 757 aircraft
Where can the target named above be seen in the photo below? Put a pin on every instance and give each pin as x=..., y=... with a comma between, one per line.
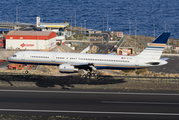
x=89, y=63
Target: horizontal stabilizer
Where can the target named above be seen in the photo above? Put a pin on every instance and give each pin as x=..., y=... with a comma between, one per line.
x=164, y=59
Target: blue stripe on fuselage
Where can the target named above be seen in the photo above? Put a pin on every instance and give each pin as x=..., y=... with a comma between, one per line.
x=154, y=47
x=34, y=63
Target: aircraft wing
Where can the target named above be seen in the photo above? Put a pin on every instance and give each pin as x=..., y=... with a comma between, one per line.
x=80, y=64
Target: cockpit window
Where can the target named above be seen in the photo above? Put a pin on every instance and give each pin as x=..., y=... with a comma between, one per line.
x=14, y=55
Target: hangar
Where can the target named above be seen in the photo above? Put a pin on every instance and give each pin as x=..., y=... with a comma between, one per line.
x=31, y=40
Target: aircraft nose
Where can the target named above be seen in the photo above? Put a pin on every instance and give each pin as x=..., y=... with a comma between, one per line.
x=9, y=58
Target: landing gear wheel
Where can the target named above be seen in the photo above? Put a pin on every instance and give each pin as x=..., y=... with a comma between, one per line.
x=84, y=76
x=93, y=74
x=89, y=77
x=88, y=74
x=26, y=72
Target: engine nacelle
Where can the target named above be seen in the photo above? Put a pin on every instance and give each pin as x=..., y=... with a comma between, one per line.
x=67, y=68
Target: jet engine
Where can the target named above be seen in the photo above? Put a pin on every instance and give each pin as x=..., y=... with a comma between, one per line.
x=67, y=68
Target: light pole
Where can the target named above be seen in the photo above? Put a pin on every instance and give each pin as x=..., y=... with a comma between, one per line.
x=135, y=33
x=17, y=14
x=107, y=22
x=103, y=24
x=136, y=25
x=75, y=19
x=85, y=27
x=71, y=25
x=165, y=25
x=81, y=28
x=154, y=30
x=135, y=40
x=130, y=29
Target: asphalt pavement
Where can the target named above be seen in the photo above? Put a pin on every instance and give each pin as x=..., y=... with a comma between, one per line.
x=100, y=104
x=4, y=64
x=116, y=104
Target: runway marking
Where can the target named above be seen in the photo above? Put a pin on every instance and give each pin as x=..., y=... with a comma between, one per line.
x=151, y=103
x=83, y=92
x=89, y=112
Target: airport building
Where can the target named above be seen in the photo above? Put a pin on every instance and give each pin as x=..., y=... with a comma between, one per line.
x=58, y=28
x=31, y=40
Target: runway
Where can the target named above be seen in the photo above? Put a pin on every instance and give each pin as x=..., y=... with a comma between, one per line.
x=116, y=104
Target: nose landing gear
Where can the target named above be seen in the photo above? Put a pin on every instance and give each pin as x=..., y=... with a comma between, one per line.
x=26, y=72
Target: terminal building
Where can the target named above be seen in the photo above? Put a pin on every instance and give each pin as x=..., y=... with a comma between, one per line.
x=58, y=28
x=31, y=40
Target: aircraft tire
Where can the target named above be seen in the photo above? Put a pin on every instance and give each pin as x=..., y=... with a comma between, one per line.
x=84, y=76
x=88, y=74
x=93, y=74
x=26, y=72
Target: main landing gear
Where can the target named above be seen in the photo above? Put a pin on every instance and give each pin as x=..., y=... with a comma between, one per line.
x=26, y=72
x=89, y=73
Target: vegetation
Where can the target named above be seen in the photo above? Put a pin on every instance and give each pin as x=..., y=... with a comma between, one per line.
x=66, y=22
x=127, y=71
x=58, y=43
x=141, y=71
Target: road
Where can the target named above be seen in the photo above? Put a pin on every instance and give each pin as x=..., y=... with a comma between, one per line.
x=115, y=104
x=4, y=64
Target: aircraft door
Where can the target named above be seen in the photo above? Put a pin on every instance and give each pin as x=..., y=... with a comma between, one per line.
x=53, y=58
x=23, y=57
x=137, y=62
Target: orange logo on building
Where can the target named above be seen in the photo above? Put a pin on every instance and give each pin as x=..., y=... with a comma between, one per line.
x=27, y=45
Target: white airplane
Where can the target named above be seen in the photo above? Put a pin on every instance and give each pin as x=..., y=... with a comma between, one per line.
x=89, y=63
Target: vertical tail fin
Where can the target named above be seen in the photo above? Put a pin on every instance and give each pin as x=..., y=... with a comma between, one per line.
x=155, y=49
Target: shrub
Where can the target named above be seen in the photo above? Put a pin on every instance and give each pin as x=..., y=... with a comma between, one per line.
x=141, y=71
x=126, y=71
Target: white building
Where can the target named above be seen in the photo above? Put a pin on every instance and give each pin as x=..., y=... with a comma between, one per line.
x=31, y=40
x=58, y=28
